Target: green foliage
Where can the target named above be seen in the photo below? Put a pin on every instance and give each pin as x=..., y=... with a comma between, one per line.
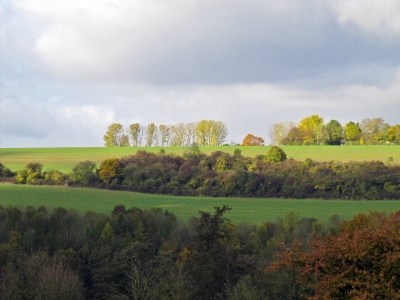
x=5, y=172
x=352, y=132
x=64, y=159
x=311, y=122
x=335, y=132
x=275, y=154
x=192, y=151
x=150, y=254
x=237, y=152
x=31, y=174
x=113, y=136
x=208, y=264
x=107, y=233
x=84, y=173
x=252, y=210
x=55, y=177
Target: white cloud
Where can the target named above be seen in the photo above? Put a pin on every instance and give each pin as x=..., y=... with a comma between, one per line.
x=70, y=68
x=86, y=116
x=245, y=108
x=118, y=39
x=372, y=16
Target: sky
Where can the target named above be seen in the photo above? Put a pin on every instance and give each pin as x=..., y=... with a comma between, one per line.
x=69, y=69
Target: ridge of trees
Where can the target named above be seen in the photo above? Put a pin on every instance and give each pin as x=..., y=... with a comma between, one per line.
x=311, y=130
x=203, y=133
x=224, y=175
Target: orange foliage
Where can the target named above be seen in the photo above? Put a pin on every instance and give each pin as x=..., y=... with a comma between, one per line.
x=252, y=140
x=361, y=262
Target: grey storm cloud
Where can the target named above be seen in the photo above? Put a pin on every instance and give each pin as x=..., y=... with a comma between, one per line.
x=175, y=42
x=70, y=68
x=24, y=118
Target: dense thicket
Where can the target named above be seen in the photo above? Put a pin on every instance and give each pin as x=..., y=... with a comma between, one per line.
x=360, y=261
x=150, y=254
x=145, y=254
x=223, y=175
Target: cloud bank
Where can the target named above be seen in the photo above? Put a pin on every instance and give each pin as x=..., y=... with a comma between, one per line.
x=70, y=68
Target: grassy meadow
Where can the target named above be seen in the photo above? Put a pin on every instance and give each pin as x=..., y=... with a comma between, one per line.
x=64, y=159
x=252, y=210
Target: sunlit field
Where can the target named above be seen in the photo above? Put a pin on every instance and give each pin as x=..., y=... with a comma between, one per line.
x=64, y=159
x=252, y=210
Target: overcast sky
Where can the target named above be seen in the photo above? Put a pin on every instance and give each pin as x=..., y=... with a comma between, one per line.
x=70, y=68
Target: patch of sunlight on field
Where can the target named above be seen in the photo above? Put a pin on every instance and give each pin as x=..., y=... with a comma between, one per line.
x=252, y=210
x=64, y=159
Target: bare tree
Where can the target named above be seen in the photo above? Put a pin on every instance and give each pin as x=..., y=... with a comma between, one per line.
x=279, y=131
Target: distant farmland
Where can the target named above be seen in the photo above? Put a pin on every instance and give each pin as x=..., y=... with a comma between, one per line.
x=64, y=159
x=252, y=210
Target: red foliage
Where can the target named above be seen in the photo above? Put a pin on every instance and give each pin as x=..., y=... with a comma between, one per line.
x=361, y=262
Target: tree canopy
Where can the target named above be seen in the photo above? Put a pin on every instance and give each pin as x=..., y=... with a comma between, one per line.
x=252, y=140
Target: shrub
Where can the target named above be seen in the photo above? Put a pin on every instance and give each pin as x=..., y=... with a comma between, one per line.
x=275, y=154
x=83, y=172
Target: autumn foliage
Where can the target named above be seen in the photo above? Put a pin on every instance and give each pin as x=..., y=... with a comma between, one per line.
x=252, y=140
x=360, y=262
x=110, y=169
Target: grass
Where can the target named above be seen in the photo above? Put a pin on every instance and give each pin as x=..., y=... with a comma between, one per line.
x=252, y=210
x=64, y=159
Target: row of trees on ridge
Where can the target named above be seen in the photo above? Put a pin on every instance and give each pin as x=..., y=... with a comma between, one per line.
x=203, y=133
x=312, y=131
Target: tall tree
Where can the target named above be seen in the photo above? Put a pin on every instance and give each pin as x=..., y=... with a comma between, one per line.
x=309, y=124
x=164, y=132
x=279, y=131
x=112, y=138
x=394, y=134
x=320, y=134
x=219, y=133
x=124, y=140
x=150, y=134
x=335, y=132
x=311, y=121
x=352, y=132
x=207, y=261
x=203, y=133
x=180, y=132
x=371, y=129
x=190, y=133
x=134, y=132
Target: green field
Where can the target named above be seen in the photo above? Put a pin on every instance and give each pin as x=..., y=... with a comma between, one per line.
x=64, y=159
x=253, y=210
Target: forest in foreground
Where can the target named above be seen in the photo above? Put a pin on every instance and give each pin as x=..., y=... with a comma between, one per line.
x=150, y=254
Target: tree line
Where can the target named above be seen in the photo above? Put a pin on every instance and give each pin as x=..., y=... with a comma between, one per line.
x=311, y=130
x=150, y=254
x=203, y=133
x=221, y=174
